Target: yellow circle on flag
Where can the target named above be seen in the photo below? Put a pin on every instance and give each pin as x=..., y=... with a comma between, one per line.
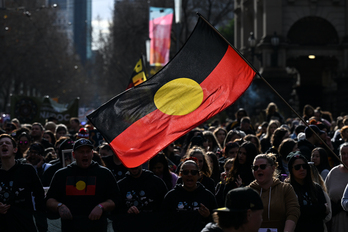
x=80, y=185
x=179, y=97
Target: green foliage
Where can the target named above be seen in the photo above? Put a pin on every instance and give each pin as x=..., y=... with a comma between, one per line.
x=228, y=31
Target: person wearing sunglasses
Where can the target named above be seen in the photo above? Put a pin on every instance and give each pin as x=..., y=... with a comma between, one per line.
x=310, y=195
x=24, y=141
x=281, y=208
x=190, y=197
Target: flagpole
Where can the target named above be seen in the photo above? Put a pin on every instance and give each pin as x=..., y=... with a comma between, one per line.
x=275, y=91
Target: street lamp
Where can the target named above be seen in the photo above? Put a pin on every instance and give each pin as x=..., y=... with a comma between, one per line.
x=252, y=45
x=275, y=44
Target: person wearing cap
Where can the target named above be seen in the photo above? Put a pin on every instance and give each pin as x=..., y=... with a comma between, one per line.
x=310, y=142
x=19, y=183
x=310, y=195
x=242, y=212
x=35, y=157
x=281, y=207
x=83, y=192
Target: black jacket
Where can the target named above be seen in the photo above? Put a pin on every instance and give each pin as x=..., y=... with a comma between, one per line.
x=17, y=186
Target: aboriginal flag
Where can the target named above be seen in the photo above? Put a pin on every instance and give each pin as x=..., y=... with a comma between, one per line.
x=206, y=76
x=138, y=75
x=80, y=185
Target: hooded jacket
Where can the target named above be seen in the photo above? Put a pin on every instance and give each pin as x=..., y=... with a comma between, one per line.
x=280, y=204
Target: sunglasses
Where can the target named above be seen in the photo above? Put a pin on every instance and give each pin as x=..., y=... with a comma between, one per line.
x=23, y=142
x=298, y=166
x=256, y=167
x=193, y=172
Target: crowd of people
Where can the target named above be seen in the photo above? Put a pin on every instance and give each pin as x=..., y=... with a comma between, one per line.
x=276, y=175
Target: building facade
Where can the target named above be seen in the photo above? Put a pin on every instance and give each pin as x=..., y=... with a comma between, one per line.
x=74, y=17
x=300, y=48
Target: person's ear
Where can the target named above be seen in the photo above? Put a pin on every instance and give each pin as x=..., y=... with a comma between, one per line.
x=73, y=153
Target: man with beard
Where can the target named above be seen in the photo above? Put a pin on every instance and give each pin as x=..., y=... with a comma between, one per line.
x=19, y=187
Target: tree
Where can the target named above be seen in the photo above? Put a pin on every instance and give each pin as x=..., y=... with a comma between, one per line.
x=36, y=54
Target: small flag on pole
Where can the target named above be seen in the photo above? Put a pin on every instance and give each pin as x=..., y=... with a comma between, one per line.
x=205, y=77
x=138, y=74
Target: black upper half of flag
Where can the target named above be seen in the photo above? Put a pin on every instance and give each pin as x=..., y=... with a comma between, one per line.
x=196, y=60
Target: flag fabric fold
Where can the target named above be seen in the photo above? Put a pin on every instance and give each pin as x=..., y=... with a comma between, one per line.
x=205, y=77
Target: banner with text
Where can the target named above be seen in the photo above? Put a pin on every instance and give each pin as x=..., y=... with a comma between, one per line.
x=38, y=109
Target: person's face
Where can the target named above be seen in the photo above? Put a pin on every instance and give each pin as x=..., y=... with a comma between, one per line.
x=254, y=220
x=344, y=155
x=272, y=128
x=315, y=158
x=23, y=143
x=190, y=175
x=33, y=157
x=170, y=147
x=135, y=172
x=60, y=133
x=48, y=137
x=300, y=174
x=295, y=148
x=6, y=148
x=240, y=115
x=210, y=143
x=83, y=156
x=74, y=124
x=220, y=135
x=317, y=115
x=205, y=144
x=36, y=131
x=245, y=126
x=158, y=169
x=253, y=141
x=200, y=160
x=263, y=176
x=242, y=155
x=232, y=153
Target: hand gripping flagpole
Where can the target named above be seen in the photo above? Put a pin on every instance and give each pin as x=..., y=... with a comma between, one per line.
x=275, y=91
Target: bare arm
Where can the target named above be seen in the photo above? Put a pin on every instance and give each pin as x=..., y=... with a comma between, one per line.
x=63, y=210
x=289, y=226
x=97, y=211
